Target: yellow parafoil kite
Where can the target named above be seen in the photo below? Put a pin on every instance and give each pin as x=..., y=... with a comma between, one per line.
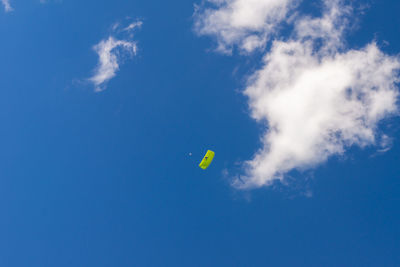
x=207, y=159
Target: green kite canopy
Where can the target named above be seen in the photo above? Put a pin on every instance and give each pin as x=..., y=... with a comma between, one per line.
x=207, y=159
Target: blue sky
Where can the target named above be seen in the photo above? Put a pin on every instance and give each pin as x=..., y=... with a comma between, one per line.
x=99, y=173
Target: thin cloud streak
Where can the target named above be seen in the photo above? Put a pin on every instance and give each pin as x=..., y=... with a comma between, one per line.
x=108, y=60
x=110, y=52
x=133, y=25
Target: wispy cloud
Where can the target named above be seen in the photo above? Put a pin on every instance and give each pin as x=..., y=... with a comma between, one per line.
x=110, y=52
x=108, y=65
x=50, y=1
x=7, y=5
x=316, y=97
x=133, y=25
x=247, y=24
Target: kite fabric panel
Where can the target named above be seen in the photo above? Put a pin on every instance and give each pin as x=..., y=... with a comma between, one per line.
x=207, y=159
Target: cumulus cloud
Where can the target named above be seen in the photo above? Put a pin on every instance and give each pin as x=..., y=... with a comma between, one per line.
x=317, y=105
x=110, y=52
x=244, y=23
x=7, y=5
x=315, y=97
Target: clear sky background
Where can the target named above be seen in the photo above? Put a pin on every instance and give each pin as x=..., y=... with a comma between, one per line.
x=105, y=178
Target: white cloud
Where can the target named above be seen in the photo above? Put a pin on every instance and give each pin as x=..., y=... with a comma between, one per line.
x=245, y=23
x=317, y=105
x=7, y=5
x=385, y=143
x=133, y=25
x=316, y=97
x=50, y=1
x=110, y=52
x=329, y=28
x=108, y=60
